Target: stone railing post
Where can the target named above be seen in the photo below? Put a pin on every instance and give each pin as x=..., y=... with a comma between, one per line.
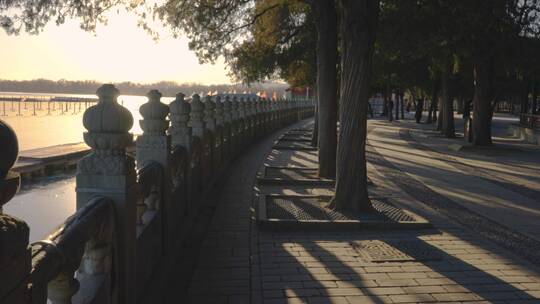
x=250, y=119
x=155, y=146
x=266, y=115
x=196, y=116
x=108, y=171
x=235, y=125
x=257, y=114
x=209, y=113
x=227, y=127
x=180, y=131
x=218, y=132
x=219, y=112
x=243, y=119
x=15, y=255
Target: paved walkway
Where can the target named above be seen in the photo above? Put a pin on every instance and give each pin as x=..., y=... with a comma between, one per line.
x=240, y=264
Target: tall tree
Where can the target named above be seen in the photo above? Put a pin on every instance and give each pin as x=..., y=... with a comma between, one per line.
x=358, y=30
x=327, y=56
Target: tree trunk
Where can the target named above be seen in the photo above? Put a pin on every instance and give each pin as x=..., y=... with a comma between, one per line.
x=315, y=135
x=483, y=94
x=447, y=116
x=327, y=85
x=535, y=96
x=396, y=108
x=359, y=20
x=402, y=109
x=440, y=118
x=434, y=98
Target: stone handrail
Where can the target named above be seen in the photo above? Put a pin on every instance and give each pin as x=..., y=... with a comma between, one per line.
x=83, y=244
x=134, y=215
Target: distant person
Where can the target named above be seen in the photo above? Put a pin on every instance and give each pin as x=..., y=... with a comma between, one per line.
x=419, y=109
x=370, y=109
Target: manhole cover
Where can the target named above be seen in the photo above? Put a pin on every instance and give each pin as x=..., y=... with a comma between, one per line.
x=395, y=251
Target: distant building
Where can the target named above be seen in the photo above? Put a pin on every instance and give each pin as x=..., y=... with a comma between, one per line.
x=298, y=92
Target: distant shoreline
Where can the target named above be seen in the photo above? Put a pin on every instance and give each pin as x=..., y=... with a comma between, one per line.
x=167, y=88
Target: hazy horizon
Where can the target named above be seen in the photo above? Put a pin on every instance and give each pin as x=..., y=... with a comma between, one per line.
x=117, y=52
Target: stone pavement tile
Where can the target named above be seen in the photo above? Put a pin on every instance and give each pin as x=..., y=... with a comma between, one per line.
x=286, y=301
x=342, y=292
x=359, y=283
x=383, y=291
x=456, y=296
x=412, y=298
x=328, y=300
x=424, y=289
x=396, y=283
x=369, y=300
x=302, y=292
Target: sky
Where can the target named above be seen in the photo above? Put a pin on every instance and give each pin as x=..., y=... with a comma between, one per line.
x=118, y=51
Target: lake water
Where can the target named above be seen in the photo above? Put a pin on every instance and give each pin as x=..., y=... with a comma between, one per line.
x=55, y=128
x=48, y=202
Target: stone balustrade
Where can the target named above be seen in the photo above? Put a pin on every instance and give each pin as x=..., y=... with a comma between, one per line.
x=134, y=215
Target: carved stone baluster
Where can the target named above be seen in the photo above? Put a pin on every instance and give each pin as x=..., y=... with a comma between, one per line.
x=180, y=131
x=196, y=116
x=235, y=125
x=15, y=259
x=218, y=132
x=209, y=113
x=219, y=112
x=227, y=110
x=249, y=119
x=153, y=144
x=227, y=127
x=108, y=171
x=264, y=115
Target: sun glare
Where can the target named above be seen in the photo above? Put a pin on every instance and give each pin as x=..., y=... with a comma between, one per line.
x=118, y=51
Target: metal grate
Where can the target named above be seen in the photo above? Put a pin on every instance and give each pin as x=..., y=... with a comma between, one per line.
x=291, y=173
x=395, y=251
x=312, y=208
x=296, y=137
x=293, y=145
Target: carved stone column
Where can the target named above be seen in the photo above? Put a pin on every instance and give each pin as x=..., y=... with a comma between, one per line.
x=153, y=144
x=218, y=132
x=108, y=171
x=209, y=113
x=243, y=121
x=227, y=127
x=236, y=125
x=219, y=112
x=249, y=120
x=180, y=131
x=227, y=110
x=196, y=116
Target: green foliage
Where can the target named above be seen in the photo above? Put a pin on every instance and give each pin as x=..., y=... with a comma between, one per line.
x=419, y=39
x=282, y=45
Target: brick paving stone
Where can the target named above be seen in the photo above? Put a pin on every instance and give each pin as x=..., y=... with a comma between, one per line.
x=412, y=298
x=328, y=300
x=240, y=263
